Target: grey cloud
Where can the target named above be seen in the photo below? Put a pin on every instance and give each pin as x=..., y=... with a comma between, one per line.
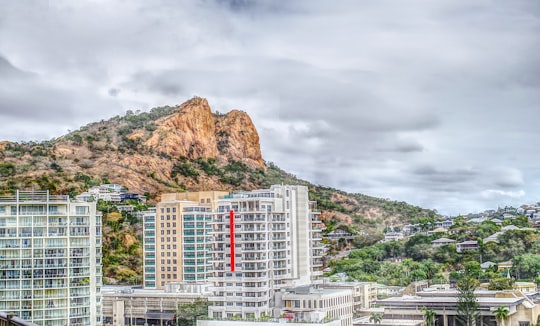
x=435, y=102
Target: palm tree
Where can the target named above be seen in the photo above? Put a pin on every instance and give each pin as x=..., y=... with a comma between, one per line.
x=501, y=314
x=375, y=317
x=429, y=316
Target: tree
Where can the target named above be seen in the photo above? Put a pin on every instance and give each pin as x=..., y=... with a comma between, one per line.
x=186, y=314
x=467, y=306
x=473, y=269
x=376, y=317
x=501, y=283
x=501, y=314
x=429, y=316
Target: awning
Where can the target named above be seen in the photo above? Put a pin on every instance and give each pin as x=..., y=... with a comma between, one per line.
x=163, y=315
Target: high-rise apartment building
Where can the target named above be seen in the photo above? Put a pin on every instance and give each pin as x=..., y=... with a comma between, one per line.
x=182, y=238
x=50, y=259
x=265, y=240
x=149, y=248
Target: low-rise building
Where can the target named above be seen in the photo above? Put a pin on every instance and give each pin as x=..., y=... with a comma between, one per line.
x=471, y=245
x=487, y=265
x=385, y=291
x=522, y=310
x=315, y=305
x=364, y=293
x=442, y=242
x=337, y=234
x=128, y=306
x=392, y=236
x=446, y=224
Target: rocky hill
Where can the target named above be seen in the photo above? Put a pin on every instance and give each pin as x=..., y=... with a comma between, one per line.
x=180, y=148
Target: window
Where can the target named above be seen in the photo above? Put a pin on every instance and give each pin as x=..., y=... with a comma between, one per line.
x=81, y=210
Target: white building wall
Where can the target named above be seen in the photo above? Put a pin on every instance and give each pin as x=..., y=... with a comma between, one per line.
x=50, y=258
x=273, y=249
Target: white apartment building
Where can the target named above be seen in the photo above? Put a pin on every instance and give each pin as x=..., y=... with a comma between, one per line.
x=264, y=240
x=50, y=259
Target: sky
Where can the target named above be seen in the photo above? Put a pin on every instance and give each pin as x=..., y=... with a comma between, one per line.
x=436, y=103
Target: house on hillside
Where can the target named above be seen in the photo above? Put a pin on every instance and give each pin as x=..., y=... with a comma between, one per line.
x=493, y=237
x=392, y=236
x=487, y=265
x=446, y=224
x=339, y=234
x=442, y=242
x=471, y=245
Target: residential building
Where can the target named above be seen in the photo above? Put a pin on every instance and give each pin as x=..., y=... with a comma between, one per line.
x=486, y=265
x=522, y=310
x=446, y=224
x=149, y=248
x=315, y=305
x=392, y=236
x=264, y=240
x=384, y=291
x=504, y=266
x=493, y=238
x=338, y=234
x=129, y=306
x=471, y=245
x=182, y=237
x=442, y=242
x=50, y=259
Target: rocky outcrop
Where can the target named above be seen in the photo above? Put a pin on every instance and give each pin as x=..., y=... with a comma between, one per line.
x=238, y=138
x=190, y=132
x=193, y=131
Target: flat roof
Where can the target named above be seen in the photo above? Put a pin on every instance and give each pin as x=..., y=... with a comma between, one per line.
x=123, y=291
x=426, y=300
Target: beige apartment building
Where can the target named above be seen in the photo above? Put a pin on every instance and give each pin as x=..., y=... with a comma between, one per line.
x=181, y=237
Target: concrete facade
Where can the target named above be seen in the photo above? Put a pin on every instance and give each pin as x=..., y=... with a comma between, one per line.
x=50, y=259
x=271, y=243
x=444, y=303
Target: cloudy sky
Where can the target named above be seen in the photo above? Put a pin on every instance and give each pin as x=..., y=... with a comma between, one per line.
x=433, y=102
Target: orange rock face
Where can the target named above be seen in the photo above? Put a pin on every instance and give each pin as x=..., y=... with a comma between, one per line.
x=195, y=132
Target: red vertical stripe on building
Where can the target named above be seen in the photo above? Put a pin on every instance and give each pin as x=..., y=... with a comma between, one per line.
x=231, y=219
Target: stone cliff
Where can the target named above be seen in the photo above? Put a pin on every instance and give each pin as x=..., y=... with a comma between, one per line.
x=195, y=132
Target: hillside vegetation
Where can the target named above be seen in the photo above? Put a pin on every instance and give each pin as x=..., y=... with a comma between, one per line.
x=170, y=149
